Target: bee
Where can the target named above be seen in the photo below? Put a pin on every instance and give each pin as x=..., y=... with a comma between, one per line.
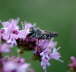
x=41, y=34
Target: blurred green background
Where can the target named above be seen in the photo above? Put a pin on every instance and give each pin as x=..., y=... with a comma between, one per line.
x=51, y=15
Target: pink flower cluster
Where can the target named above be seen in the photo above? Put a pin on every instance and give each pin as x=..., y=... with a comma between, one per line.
x=11, y=34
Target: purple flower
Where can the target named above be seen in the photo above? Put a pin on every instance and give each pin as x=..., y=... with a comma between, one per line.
x=25, y=31
x=49, y=53
x=5, y=48
x=14, y=64
x=11, y=29
x=72, y=65
x=55, y=54
x=11, y=24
